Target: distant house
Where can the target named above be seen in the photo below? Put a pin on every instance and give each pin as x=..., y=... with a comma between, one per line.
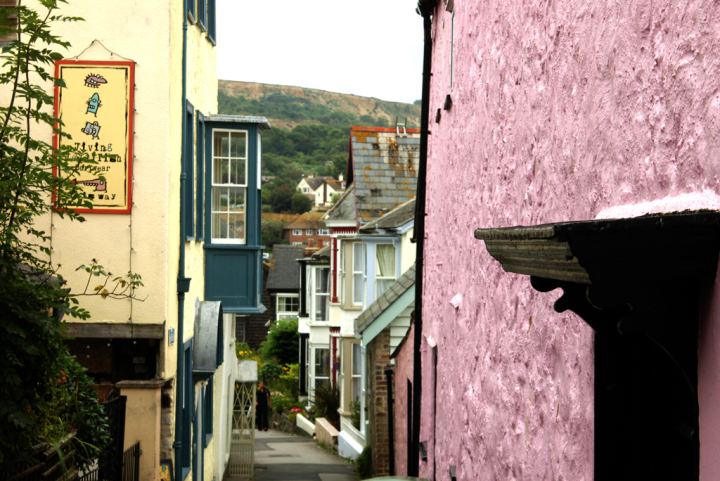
x=308, y=230
x=320, y=190
x=283, y=282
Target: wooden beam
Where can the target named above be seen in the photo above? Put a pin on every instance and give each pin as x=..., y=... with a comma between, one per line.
x=115, y=331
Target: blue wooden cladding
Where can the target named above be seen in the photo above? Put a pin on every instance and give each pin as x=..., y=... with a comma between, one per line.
x=233, y=205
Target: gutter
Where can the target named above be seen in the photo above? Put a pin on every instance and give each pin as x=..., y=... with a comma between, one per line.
x=183, y=283
x=426, y=9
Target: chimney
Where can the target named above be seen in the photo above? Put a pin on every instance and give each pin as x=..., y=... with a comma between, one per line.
x=341, y=177
x=310, y=176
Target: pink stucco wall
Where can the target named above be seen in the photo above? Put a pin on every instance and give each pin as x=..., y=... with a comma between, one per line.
x=562, y=110
x=403, y=374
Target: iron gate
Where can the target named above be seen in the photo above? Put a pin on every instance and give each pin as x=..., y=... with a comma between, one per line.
x=242, y=442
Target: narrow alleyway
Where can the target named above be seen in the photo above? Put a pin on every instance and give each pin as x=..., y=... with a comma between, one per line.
x=283, y=457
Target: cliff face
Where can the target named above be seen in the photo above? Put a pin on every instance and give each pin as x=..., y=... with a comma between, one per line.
x=319, y=99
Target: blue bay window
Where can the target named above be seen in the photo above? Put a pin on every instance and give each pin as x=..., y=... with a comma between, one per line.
x=233, y=202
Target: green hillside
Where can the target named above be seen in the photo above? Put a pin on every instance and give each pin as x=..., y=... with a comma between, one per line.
x=311, y=128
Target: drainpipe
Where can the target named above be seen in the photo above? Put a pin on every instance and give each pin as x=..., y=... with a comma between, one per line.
x=391, y=422
x=425, y=8
x=183, y=283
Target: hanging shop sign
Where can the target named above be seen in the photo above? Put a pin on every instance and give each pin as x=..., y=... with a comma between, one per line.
x=96, y=107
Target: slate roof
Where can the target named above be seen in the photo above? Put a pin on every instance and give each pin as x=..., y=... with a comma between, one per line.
x=315, y=182
x=284, y=269
x=394, y=219
x=337, y=185
x=308, y=220
x=262, y=122
x=344, y=208
x=383, y=166
x=405, y=282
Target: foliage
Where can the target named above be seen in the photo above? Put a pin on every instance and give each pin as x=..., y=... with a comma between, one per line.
x=44, y=393
x=335, y=197
x=283, y=341
x=301, y=203
x=289, y=380
x=355, y=412
x=418, y=102
x=73, y=407
x=270, y=371
x=302, y=109
x=283, y=404
x=281, y=199
x=363, y=463
x=272, y=231
x=327, y=401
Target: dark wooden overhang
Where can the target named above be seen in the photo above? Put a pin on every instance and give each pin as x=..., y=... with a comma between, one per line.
x=608, y=268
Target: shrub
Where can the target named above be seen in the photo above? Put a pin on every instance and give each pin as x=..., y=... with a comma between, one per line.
x=327, y=402
x=355, y=413
x=289, y=380
x=285, y=404
x=270, y=371
x=283, y=342
x=363, y=463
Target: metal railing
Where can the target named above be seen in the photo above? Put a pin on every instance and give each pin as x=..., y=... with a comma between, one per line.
x=131, y=463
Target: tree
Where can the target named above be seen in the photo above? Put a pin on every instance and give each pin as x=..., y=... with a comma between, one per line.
x=283, y=341
x=301, y=203
x=44, y=391
x=281, y=199
x=271, y=233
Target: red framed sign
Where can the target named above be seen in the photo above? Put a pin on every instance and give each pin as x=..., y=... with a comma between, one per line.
x=97, y=106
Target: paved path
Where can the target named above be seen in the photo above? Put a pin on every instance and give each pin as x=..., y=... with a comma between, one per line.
x=284, y=457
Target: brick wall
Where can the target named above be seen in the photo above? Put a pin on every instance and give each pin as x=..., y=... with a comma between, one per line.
x=255, y=330
x=378, y=353
x=313, y=240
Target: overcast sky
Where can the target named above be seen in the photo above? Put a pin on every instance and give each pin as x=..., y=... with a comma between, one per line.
x=371, y=48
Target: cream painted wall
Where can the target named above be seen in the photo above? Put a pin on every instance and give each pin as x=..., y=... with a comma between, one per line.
x=142, y=422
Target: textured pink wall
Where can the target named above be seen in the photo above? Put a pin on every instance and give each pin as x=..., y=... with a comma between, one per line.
x=561, y=109
x=403, y=374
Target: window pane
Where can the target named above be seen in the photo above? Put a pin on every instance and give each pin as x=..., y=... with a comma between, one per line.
x=237, y=171
x=322, y=277
x=356, y=389
x=322, y=362
x=358, y=288
x=385, y=260
x=236, y=199
x=218, y=194
x=293, y=304
x=236, y=224
x=237, y=144
x=221, y=144
x=356, y=359
x=219, y=226
x=382, y=285
x=321, y=307
x=221, y=167
x=357, y=257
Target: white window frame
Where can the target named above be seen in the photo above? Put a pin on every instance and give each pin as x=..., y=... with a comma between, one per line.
x=308, y=232
x=377, y=271
x=297, y=231
x=341, y=271
x=313, y=365
x=364, y=390
x=286, y=314
x=298, y=243
x=213, y=185
x=315, y=295
x=305, y=190
x=354, y=376
x=360, y=273
x=323, y=231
